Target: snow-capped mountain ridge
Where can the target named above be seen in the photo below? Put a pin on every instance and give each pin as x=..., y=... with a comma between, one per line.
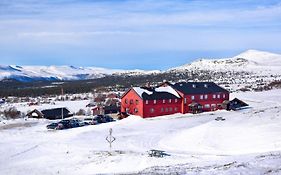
x=250, y=60
x=29, y=73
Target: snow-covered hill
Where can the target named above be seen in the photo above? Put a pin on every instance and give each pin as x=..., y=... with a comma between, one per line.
x=31, y=73
x=249, y=70
x=253, y=61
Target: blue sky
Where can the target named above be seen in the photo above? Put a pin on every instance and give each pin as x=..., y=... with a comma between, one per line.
x=127, y=34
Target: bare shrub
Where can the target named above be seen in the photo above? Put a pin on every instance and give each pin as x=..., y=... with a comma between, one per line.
x=12, y=113
x=81, y=112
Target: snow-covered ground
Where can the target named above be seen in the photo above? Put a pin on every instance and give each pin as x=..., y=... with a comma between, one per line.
x=247, y=142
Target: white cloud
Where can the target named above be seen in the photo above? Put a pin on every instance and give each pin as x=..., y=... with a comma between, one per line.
x=139, y=26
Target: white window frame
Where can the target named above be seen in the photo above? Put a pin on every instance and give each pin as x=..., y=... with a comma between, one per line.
x=218, y=96
x=214, y=96
x=164, y=101
x=146, y=102
x=154, y=101
x=192, y=97
x=206, y=96
x=201, y=97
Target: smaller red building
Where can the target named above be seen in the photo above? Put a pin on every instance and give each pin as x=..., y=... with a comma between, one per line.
x=184, y=97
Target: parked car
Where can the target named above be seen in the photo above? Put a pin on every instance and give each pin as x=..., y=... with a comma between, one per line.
x=90, y=121
x=98, y=119
x=103, y=118
x=52, y=126
x=66, y=124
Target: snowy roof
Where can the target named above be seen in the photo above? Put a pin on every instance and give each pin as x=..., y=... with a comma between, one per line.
x=140, y=91
x=168, y=89
x=156, y=93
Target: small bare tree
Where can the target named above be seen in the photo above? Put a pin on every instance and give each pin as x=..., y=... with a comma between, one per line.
x=81, y=112
x=12, y=113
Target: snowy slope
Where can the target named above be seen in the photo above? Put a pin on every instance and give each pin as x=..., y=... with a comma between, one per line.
x=247, y=142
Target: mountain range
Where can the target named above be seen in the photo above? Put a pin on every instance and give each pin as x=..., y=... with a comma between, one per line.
x=253, y=62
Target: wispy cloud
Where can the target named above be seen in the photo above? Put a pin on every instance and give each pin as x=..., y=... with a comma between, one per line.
x=130, y=28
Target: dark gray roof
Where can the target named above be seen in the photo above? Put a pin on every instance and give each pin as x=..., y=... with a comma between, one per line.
x=198, y=87
x=56, y=113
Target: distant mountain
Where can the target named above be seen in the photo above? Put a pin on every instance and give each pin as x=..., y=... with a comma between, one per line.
x=249, y=70
x=253, y=61
x=49, y=73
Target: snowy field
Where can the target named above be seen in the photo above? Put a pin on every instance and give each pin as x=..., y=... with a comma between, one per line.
x=247, y=142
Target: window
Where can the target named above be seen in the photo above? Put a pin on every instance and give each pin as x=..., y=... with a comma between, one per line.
x=206, y=96
x=184, y=100
x=214, y=96
x=201, y=97
x=176, y=100
x=137, y=102
x=136, y=110
x=154, y=101
x=170, y=100
x=163, y=101
x=131, y=101
x=162, y=109
x=192, y=97
x=193, y=85
x=126, y=101
x=223, y=95
x=219, y=96
x=176, y=109
x=151, y=110
x=213, y=105
x=167, y=109
x=146, y=101
x=127, y=110
x=171, y=109
x=207, y=105
x=205, y=85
